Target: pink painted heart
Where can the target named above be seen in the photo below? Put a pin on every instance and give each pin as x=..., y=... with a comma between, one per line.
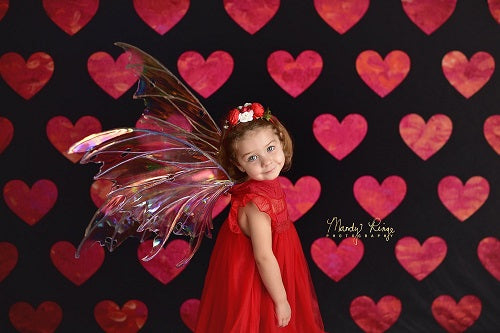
x=455, y=317
x=336, y=262
x=77, y=270
x=163, y=266
x=418, y=260
x=45, y=319
x=6, y=133
x=113, y=77
x=4, y=6
x=425, y=139
x=8, y=259
x=429, y=15
x=221, y=204
x=468, y=77
x=491, y=130
x=340, y=139
x=494, y=6
x=383, y=75
x=300, y=197
x=205, y=77
x=30, y=204
x=379, y=200
x=69, y=15
x=189, y=313
x=161, y=16
x=488, y=252
x=341, y=15
x=99, y=190
x=26, y=78
x=463, y=200
x=62, y=134
x=251, y=15
x=130, y=318
x=294, y=76
x=375, y=318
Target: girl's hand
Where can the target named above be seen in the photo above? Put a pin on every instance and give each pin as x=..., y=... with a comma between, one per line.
x=283, y=313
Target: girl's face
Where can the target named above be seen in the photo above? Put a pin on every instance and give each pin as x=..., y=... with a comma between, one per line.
x=259, y=153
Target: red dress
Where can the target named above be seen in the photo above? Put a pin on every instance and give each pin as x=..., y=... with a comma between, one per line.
x=234, y=299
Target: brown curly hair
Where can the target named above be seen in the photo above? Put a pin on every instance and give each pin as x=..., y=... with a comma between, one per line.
x=227, y=154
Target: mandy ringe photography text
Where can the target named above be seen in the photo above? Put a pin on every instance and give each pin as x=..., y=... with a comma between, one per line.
x=373, y=229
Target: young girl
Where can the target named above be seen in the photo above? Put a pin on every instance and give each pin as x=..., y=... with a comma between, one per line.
x=258, y=279
x=167, y=176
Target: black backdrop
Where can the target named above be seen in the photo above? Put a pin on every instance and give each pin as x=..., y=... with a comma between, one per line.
x=339, y=91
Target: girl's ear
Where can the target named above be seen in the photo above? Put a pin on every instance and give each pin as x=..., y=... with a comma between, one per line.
x=237, y=165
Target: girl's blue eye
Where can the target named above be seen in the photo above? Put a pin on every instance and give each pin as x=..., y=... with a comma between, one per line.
x=271, y=148
x=252, y=158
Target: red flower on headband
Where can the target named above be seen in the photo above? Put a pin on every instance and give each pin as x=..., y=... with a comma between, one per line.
x=233, y=116
x=258, y=110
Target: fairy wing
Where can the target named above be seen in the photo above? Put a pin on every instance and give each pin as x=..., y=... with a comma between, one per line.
x=170, y=106
x=165, y=177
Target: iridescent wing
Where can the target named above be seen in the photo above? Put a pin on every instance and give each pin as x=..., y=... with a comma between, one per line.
x=165, y=176
x=168, y=100
x=162, y=185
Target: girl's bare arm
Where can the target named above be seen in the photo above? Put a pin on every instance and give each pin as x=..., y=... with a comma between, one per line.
x=257, y=225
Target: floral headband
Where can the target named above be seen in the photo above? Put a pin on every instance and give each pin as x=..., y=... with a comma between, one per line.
x=245, y=113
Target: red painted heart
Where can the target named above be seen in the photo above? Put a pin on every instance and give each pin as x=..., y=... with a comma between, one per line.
x=488, y=252
x=8, y=259
x=30, y=204
x=130, y=318
x=62, y=134
x=425, y=139
x=379, y=200
x=26, y=78
x=45, y=319
x=189, y=313
x=463, y=200
x=340, y=139
x=69, y=15
x=491, y=130
x=251, y=15
x=468, y=77
x=6, y=133
x=205, y=77
x=341, y=15
x=300, y=197
x=221, y=204
x=429, y=15
x=456, y=317
x=418, y=260
x=494, y=6
x=383, y=75
x=99, y=190
x=337, y=262
x=373, y=317
x=161, y=16
x=294, y=76
x=113, y=77
x=77, y=270
x=4, y=6
x=162, y=266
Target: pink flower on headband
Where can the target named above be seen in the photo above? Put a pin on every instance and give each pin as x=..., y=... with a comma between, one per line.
x=245, y=113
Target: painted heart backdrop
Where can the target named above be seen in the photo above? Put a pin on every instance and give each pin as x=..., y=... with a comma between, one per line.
x=393, y=106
